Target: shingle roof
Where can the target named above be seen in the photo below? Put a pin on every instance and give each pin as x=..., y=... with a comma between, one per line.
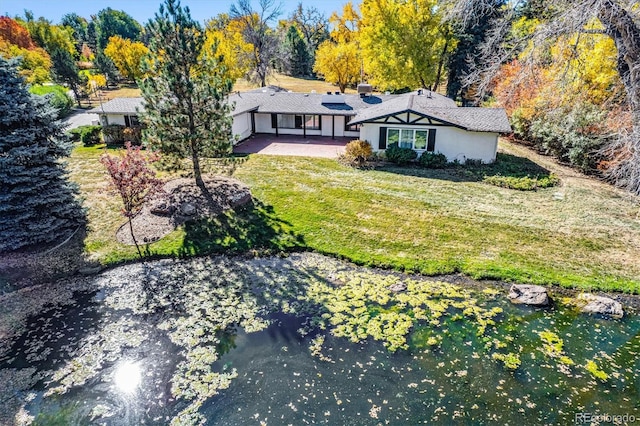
x=469, y=118
x=364, y=109
x=271, y=102
x=474, y=119
x=135, y=105
x=120, y=106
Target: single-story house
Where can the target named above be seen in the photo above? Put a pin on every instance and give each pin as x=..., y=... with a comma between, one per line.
x=422, y=120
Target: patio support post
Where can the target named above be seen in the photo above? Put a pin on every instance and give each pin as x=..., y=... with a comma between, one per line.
x=304, y=125
x=333, y=127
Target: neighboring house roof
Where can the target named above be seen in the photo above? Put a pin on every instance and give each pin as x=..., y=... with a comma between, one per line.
x=119, y=106
x=440, y=108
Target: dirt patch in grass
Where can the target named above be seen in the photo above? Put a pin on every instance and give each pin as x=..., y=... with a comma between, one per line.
x=180, y=201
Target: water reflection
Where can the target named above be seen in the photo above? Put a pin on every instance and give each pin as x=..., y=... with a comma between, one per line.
x=213, y=362
x=127, y=377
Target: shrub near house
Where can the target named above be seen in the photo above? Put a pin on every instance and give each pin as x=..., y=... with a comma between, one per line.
x=88, y=135
x=117, y=134
x=398, y=155
x=357, y=153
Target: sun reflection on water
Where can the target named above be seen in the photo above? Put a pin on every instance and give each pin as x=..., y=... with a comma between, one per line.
x=127, y=376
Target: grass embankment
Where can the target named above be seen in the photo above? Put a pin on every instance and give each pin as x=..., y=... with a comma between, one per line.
x=581, y=234
x=291, y=83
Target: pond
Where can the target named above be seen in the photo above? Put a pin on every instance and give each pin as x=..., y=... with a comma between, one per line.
x=303, y=339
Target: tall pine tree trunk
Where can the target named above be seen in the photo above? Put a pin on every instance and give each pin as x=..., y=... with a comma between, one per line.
x=197, y=173
x=443, y=55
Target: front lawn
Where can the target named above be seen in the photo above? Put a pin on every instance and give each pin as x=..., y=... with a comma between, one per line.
x=580, y=234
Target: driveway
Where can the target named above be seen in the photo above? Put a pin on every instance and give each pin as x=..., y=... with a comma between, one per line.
x=312, y=146
x=80, y=118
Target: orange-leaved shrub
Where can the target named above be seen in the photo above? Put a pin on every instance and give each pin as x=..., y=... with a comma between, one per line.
x=357, y=153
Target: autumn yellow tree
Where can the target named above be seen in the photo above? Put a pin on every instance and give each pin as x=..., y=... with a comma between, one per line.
x=226, y=34
x=338, y=63
x=35, y=64
x=95, y=82
x=127, y=56
x=345, y=28
x=338, y=59
x=569, y=104
x=404, y=43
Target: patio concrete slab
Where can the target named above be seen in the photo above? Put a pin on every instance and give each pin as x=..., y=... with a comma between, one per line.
x=312, y=146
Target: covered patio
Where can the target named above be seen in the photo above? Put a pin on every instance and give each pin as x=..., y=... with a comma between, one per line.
x=311, y=146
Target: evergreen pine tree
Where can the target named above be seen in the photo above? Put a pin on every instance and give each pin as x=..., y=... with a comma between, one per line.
x=37, y=203
x=106, y=66
x=185, y=91
x=470, y=35
x=65, y=71
x=298, y=55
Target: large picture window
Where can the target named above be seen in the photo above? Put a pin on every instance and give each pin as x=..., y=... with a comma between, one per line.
x=312, y=122
x=420, y=140
x=294, y=121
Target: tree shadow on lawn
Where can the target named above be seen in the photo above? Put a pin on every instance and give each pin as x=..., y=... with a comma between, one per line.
x=44, y=263
x=253, y=227
x=505, y=166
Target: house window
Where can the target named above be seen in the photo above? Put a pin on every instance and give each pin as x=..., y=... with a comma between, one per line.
x=406, y=138
x=419, y=140
x=131, y=121
x=393, y=136
x=313, y=122
x=347, y=128
x=294, y=121
x=286, y=121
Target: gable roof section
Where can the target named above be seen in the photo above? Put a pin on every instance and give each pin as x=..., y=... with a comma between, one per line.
x=445, y=110
x=120, y=106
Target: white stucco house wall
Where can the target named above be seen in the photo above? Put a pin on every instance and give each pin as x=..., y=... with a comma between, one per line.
x=429, y=122
x=422, y=120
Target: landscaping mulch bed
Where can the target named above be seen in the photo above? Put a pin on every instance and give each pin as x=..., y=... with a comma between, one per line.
x=180, y=201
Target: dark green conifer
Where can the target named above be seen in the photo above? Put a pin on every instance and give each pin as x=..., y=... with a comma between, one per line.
x=299, y=60
x=37, y=203
x=185, y=91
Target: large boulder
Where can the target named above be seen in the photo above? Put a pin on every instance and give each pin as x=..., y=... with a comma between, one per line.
x=162, y=207
x=593, y=304
x=397, y=287
x=187, y=209
x=527, y=294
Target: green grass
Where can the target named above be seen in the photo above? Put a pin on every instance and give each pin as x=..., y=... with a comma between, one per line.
x=438, y=225
x=431, y=221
